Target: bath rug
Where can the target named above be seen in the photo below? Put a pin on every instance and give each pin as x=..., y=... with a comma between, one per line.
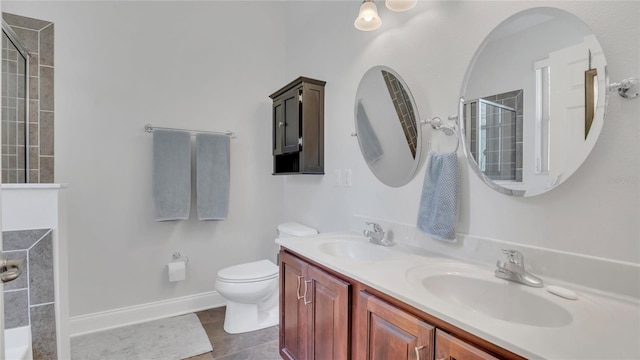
x=172, y=338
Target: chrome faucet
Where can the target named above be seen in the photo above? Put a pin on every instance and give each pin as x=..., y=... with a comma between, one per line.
x=377, y=235
x=513, y=269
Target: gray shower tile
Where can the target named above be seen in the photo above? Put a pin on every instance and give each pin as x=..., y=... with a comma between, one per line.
x=22, y=281
x=21, y=86
x=43, y=332
x=21, y=239
x=28, y=38
x=33, y=64
x=20, y=109
x=34, y=157
x=46, y=132
x=21, y=66
x=46, y=169
x=21, y=156
x=13, y=176
x=34, y=111
x=25, y=22
x=11, y=55
x=21, y=177
x=5, y=176
x=46, y=88
x=33, y=88
x=41, y=287
x=34, y=176
x=20, y=140
x=34, y=135
x=15, y=309
x=46, y=46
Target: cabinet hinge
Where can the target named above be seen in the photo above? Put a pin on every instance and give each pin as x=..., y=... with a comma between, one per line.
x=300, y=141
x=300, y=96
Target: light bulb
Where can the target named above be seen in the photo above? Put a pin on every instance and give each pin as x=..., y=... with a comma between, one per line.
x=368, y=18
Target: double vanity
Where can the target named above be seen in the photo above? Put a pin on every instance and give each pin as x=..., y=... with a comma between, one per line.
x=345, y=297
x=524, y=129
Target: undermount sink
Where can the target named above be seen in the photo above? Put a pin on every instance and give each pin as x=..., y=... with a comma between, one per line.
x=356, y=250
x=478, y=291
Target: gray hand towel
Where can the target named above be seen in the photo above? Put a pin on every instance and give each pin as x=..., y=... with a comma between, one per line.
x=171, y=174
x=438, y=212
x=212, y=176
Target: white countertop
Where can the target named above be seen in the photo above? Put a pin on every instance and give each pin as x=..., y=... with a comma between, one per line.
x=602, y=326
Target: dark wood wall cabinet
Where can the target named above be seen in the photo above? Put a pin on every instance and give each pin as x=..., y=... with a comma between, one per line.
x=326, y=315
x=298, y=127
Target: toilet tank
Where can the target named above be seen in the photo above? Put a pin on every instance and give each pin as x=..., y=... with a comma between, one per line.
x=292, y=229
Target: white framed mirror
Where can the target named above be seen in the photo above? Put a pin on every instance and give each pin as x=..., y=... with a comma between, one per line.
x=533, y=101
x=387, y=126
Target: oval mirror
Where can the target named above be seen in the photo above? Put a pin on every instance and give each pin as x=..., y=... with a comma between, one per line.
x=533, y=101
x=386, y=119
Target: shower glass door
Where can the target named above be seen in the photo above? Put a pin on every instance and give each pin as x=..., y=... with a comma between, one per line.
x=496, y=142
x=15, y=130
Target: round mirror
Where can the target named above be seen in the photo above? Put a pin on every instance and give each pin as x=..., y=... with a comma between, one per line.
x=532, y=102
x=387, y=126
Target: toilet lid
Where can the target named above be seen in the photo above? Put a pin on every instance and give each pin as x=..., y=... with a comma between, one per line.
x=253, y=271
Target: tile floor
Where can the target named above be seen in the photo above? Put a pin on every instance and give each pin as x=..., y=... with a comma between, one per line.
x=255, y=345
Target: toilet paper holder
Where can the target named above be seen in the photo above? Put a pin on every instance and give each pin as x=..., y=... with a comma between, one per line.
x=176, y=256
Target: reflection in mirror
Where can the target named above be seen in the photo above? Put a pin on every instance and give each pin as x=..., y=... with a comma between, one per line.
x=532, y=103
x=387, y=126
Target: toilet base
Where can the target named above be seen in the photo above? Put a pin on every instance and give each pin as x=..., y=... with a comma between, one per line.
x=241, y=318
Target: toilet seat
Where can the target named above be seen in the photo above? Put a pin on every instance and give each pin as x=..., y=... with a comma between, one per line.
x=249, y=272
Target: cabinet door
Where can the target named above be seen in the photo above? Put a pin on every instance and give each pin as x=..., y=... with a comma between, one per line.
x=392, y=333
x=278, y=126
x=451, y=348
x=293, y=312
x=328, y=298
x=290, y=124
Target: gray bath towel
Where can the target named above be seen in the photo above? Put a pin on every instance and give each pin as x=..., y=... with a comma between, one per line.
x=171, y=174
x=438, y=212
x=212, y=176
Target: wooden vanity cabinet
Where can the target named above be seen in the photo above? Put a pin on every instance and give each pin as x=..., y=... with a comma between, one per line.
x=388, y=332
x=449, y=347
x=298, y=127
x=314, y=312
x=326, y=315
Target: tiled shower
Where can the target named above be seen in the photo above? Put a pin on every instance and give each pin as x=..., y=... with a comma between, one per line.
x=28, y=106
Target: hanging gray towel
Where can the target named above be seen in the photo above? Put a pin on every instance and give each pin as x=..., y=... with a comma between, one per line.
x=171, y=174
x=438, y=211
x=212, y=176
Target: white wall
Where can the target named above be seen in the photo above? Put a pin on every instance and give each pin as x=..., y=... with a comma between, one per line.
x=196, y=65
x=594, y=213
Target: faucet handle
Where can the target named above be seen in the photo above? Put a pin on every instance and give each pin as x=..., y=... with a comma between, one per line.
x=376, y=227
x=514, y=256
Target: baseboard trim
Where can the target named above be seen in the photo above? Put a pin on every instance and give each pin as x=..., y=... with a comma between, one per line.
x=104, y=320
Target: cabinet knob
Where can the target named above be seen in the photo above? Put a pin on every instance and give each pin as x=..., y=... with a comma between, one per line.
x=281, y=124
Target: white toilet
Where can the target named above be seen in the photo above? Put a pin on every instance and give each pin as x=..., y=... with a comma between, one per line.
x=251, y=289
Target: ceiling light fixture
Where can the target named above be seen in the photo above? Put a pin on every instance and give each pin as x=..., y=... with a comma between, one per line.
x=400, y=5
x=368, y=18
